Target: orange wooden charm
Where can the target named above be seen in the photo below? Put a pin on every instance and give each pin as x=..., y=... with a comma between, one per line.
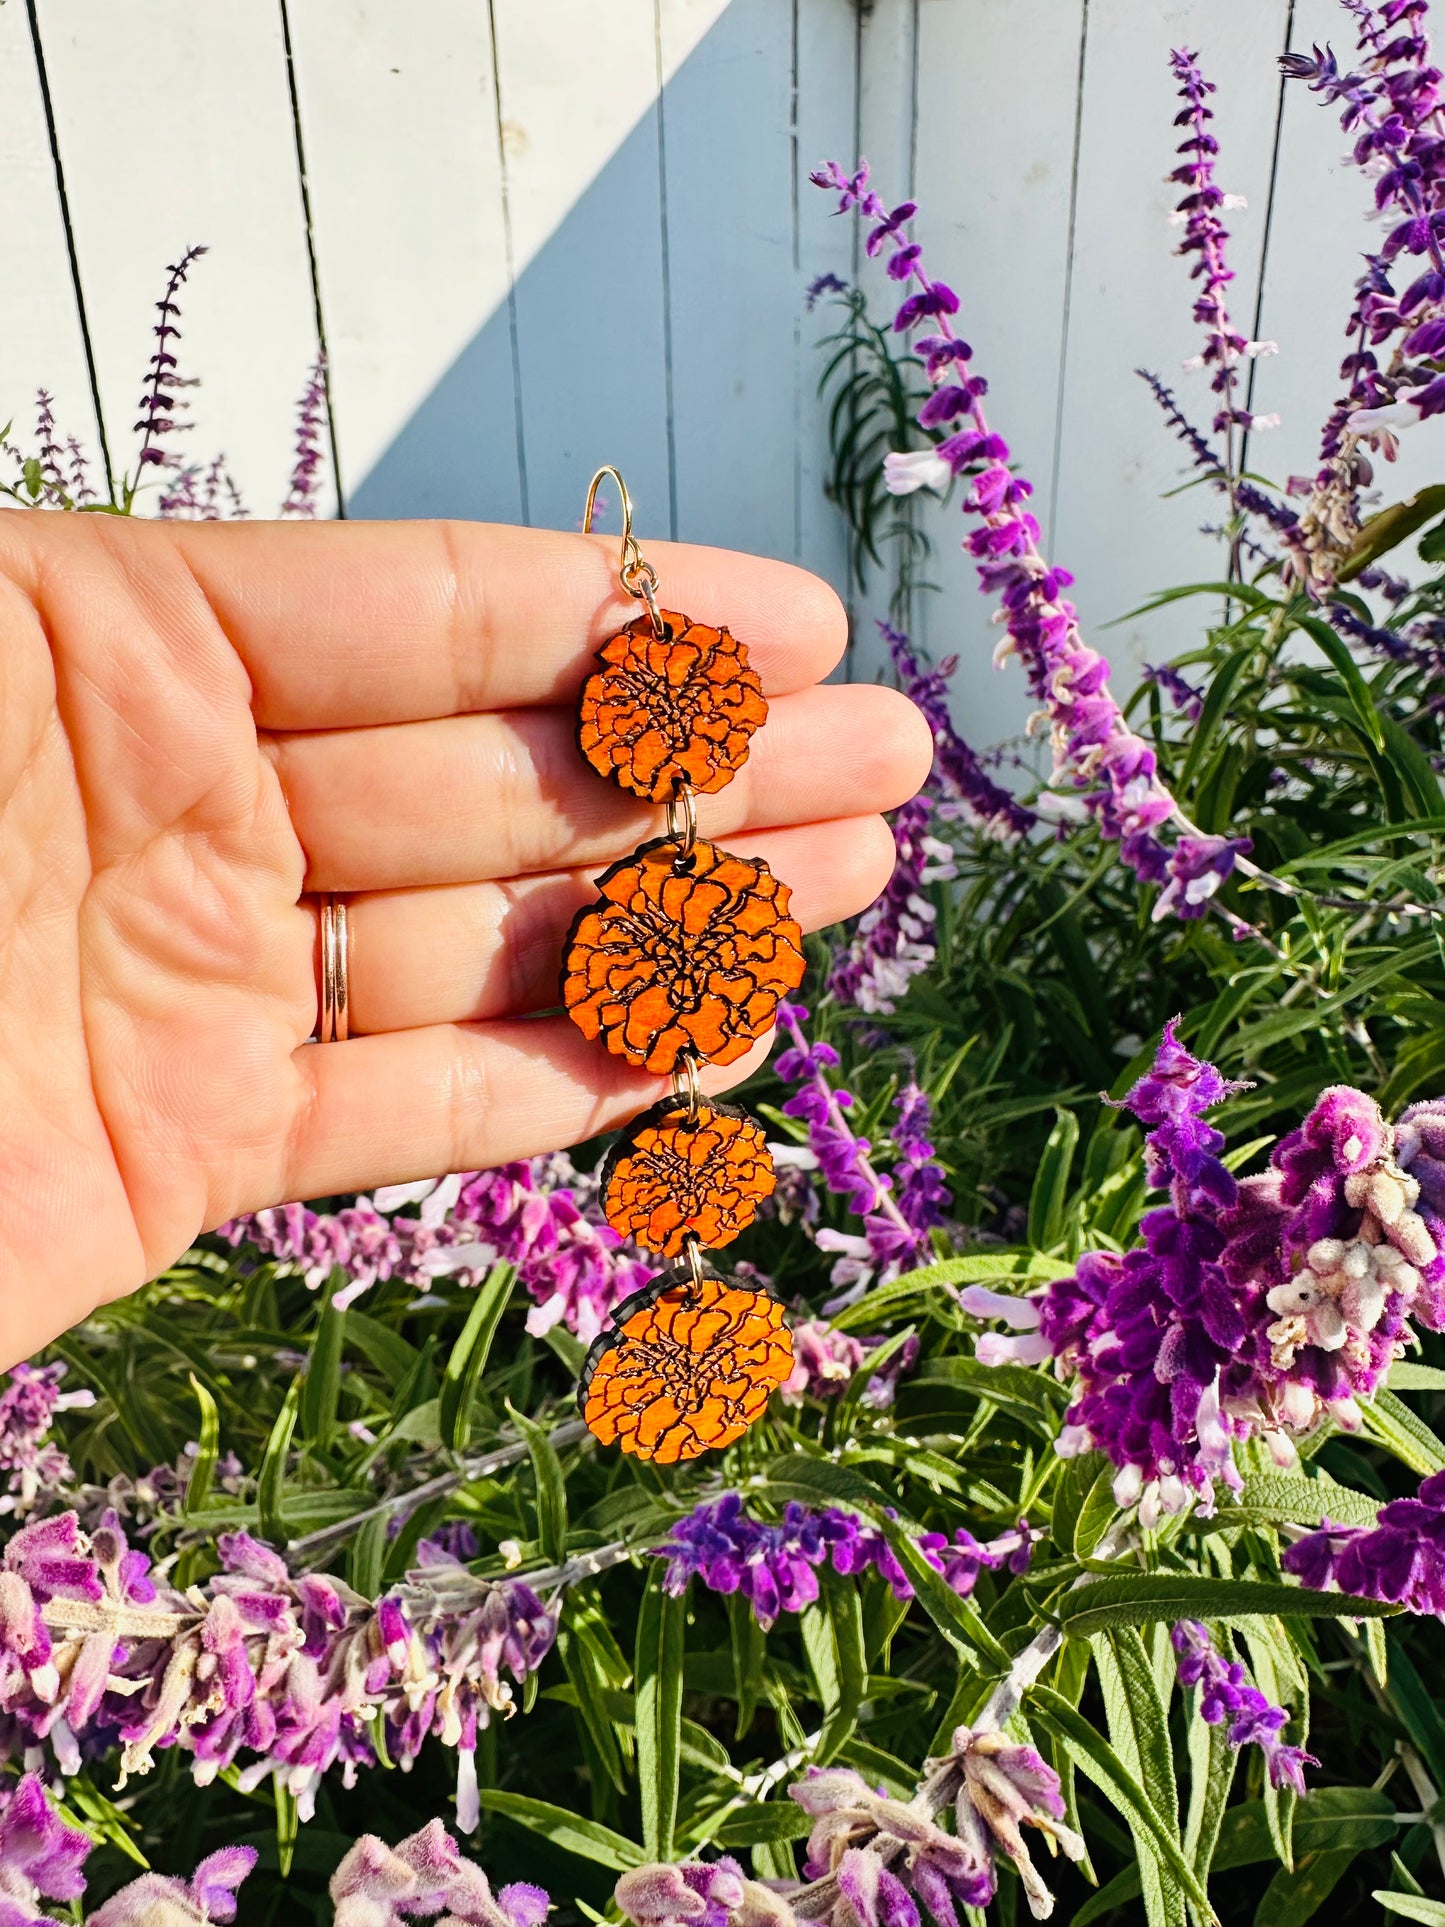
x=682, y=954
x=686, y=1366
x=661, y=714
x=668, y=1178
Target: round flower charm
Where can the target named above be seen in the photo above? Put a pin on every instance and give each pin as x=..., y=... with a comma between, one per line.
x=663, y=714
x=667, y=1177
x=682, y=954
x=686, y=1366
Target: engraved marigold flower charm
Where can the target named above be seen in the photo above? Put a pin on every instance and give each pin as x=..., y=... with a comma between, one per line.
x=674, y=1175
x=682, y=954
x=685, y=1367
x=682, y=961
x=669, y=710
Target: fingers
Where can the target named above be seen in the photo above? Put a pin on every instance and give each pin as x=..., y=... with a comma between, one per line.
x=485, y=950
x=472, y=798
x=340, y=624
x=382, y=1110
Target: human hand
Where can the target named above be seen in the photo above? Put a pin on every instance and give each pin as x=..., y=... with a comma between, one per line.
x=202, y=722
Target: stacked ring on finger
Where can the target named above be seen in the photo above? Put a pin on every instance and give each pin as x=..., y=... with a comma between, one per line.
x=682, y=961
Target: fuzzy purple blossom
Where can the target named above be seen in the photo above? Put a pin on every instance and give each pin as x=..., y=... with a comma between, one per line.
x=898, y=1218
x=160, y=404
x=775, y=1566
x=1226, y=1696
x=1183, y=695
x=1251, y=1308
x=425, y=1876
x=1245, y=494
x=893, y=942
x=699, y=1893
x=309, y=464
x=41, y=1858
x=872, y=1858
x=1100, y=766
x=958, y=779
x=1400, y=1558
x=281, y=1676
x=38, y=1469
x=542, y=1217
x=1391, y=105
x=1205, y=238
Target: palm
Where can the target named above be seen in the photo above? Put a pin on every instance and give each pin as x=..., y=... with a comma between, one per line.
x=202, y=723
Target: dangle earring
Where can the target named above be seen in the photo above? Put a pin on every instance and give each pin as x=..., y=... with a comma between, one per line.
x=681, y=962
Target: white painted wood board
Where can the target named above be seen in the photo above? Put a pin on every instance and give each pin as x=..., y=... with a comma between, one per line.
x=41, y=343
x=175, y=127
x=398, y=113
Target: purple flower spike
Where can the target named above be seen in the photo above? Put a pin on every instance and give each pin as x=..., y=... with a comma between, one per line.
x=898, y=1220
x=541, y=1216
x=775, y=1567
x=1391, y=106
x=1226, y=1696
x=1102, y=771
x=40, y=1856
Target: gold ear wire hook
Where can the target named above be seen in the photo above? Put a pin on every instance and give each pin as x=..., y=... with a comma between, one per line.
x=636, y=574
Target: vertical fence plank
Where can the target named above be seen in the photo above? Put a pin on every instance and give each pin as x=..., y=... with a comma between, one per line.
x=175, y=127
x=731, y=276
x=1324, y=220
x=41, y=342
x=580, y=148
x=825, y=105
x=398, y=109
x=1131, y=306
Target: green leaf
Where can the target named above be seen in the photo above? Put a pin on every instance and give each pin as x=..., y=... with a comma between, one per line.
x=323, y=1371
x=366, y=1556
x=1212, y=1761
x=1216, y=702
x=1277, y=1500
x=1357, y=1818
x=1347, y=669
x=777, y=1820
x=749, y=1644
x=1093, y=1754
x=288, y=1825
x=1431, y=1913
x=101, y=1818
x=271, y=1479
x=1391, y=1423
x=1098, y=1511
x=657, y=1688
x=1406, y=1376
x=590, y=1686
x=1133, y=1599
x=1139, y=1728
x=203, y=1466
x=1389, y=526
x=468, y=1357
x=1419, y=1710
x=1292, y=1898
x=588, y=1839
x=842, y=1606
x=1049, y=1197
x=957, y=1619
x=387, y=1350
x=551, y=1487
